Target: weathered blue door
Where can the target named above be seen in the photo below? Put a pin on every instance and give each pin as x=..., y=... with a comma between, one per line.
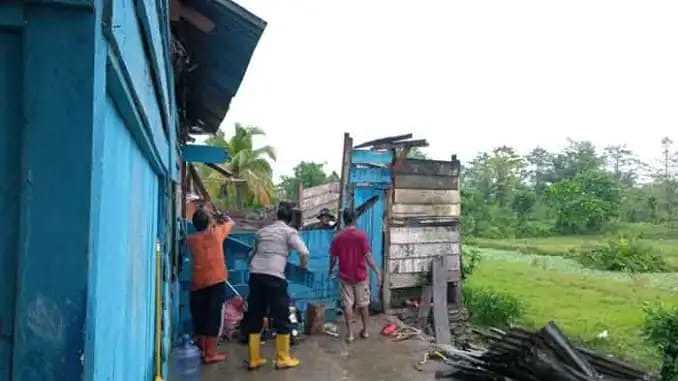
x=372, y=222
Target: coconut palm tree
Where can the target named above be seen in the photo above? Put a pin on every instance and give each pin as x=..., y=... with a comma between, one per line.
x=252, y=182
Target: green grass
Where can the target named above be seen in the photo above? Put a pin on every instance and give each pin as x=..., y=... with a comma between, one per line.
x=582, y=302
x=666, y=244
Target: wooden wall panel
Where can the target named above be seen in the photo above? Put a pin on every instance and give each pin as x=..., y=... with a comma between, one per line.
x=422, y=250
x=426, y=196
x=417, y=235
x=426, y=182
x=422, y=210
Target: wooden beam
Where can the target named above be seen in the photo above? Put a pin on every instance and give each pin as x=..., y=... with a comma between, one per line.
x=385, y=289
x=310, y=203
x=384, y=140
x=426, y=196
x=441, y=322
x=420, y=264
x=198, y=183
x=345, y=196
x=426, y=182
x=220, y=169
x=424, y=306
x=402, y=145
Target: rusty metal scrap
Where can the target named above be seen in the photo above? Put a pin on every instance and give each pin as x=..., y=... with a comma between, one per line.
x=531, y=356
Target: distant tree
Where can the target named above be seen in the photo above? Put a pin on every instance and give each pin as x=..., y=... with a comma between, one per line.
x=623, y=164
x=667, y=181
x=495, y=175
x=540, y=164
x=522, y=204
x=577, y=157
x=586, y=202
x=309, y=174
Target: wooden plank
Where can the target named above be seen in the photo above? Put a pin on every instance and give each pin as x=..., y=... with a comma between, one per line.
x=425, y=306
x=389, y=139
x=422, y=210
x=422, y=250
x=426, y=168
x=345, y=196
x=403, y=145
x=386, y=278
x=312, y=202
x=426, y=196
x=334, y=187
x=441, y=322
x=438, y=234
x=424, y=221
x=419, y=265
x=417, y=279
x=426, y=182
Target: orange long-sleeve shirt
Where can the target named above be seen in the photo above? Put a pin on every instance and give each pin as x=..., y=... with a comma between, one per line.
x=207, y=248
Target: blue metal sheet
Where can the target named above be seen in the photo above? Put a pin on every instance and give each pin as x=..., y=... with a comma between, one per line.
x=370, y=175
x=381, y=158
x=197, y=153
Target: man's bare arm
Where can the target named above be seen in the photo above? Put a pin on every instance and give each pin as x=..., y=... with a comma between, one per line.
x=372, y=265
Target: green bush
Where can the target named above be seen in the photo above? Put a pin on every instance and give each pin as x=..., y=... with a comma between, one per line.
x=535, y=229
x=623, y=254
x=492, y=308
x=661, y=329
x=470, y=260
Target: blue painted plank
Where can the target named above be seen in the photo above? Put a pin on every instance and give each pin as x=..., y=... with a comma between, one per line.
x=381, y=158
x=132, y=63
x=196, y=153
x=370, y=175
x=371, y=222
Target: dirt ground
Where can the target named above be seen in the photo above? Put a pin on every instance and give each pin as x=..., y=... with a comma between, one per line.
x=327, y=358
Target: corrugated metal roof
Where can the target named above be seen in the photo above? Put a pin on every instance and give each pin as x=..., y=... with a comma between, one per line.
x=219, y=59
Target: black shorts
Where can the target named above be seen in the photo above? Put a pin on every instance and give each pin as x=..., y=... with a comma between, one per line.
x=206, y=305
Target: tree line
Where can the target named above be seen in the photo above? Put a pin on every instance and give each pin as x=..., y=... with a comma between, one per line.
x=579, y=189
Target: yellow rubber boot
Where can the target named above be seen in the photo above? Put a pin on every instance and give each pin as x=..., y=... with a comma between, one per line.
x=283, y=359
x=255, y=361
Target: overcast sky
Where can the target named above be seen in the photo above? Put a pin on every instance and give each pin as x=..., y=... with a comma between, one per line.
x=466, y=75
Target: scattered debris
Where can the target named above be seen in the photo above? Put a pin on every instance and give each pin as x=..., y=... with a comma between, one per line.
x=315, y=319
x=543, y=355
x=331, y=329
x=389, y=329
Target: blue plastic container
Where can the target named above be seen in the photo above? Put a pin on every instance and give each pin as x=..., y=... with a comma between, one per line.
x=185, y=362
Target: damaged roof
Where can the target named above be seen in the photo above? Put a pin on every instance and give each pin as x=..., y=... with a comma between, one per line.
x=220, y=37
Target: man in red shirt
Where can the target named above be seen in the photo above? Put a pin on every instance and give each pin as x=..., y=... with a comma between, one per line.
x=352, y=250
x=209, y=281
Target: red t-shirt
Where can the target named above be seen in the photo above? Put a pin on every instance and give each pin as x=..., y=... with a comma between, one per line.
x=350, y=246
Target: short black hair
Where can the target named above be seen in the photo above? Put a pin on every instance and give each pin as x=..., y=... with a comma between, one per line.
x=285, y=212
x=348, y=215
x=200, y=220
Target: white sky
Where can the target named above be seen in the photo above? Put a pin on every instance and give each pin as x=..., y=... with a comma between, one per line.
x=466, y=75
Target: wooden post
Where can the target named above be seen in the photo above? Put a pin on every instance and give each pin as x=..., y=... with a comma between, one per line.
x=386, y=279
x=345, y=199
x=458, y=294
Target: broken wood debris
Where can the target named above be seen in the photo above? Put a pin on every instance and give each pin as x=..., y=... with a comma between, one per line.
x=543, y=355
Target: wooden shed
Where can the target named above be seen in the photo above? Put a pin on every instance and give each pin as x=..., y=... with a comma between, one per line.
x=421, y=206
x=422, y=223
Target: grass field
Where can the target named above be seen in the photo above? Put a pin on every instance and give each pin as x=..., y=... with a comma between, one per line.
x=581, y=301
x=665, y=244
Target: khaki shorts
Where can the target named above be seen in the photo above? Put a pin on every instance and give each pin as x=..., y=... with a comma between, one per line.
x=355, y=294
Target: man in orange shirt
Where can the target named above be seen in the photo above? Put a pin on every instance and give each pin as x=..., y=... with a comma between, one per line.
x=209, y=281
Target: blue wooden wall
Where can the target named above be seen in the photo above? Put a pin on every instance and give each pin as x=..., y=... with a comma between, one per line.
x=87, y=161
